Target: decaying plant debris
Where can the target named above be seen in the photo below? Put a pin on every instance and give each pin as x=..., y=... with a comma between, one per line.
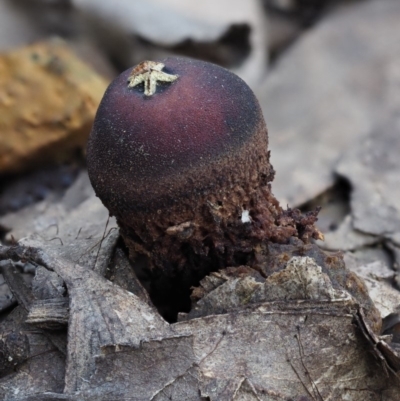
x=296, y=333
x=273, y=348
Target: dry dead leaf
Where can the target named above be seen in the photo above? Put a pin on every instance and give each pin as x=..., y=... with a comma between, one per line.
x=36, y=128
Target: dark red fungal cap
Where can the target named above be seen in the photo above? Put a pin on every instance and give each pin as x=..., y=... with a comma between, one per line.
x=178, y=168
x=206, y=114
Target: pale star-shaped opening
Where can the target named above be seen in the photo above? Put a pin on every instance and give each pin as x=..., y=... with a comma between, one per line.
x=149, y=72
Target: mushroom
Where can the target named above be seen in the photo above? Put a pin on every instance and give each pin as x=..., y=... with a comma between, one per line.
x=179, y=154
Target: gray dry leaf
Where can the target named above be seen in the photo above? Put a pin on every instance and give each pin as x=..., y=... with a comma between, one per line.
x=327, y=93
x=44, y=216
x=346, y=238
x=80, y=240
x=302, y=279
x=6, y=297
x=173, y=22
x=41, y=216
x=78, y=233
x=36, y=363
x=378, y=278
x=372, y=167
x=72, y=227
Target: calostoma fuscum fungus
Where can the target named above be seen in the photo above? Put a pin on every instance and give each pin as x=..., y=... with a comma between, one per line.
x=179, y=155
x=182, y=161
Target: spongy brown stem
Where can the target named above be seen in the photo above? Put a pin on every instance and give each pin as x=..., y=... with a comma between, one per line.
x=199, y=215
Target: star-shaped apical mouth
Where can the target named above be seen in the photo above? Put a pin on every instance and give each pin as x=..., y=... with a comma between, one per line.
x=149, y=72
